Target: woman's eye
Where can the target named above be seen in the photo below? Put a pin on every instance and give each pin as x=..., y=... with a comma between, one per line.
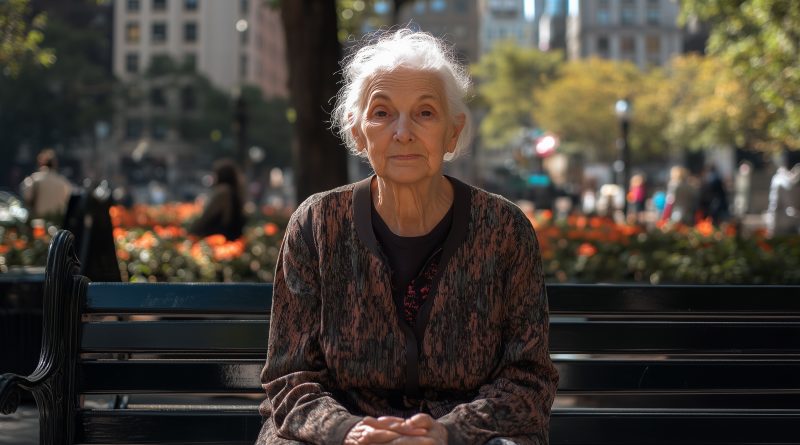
x=426, y=113
x=380, y=113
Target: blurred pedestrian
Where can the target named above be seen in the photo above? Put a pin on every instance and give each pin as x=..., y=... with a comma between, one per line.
x=636, y=198
x=713, y=196
x=741, y=192
x=223, y=212
x=46, y=192
x=783, y=213
x=681, y=197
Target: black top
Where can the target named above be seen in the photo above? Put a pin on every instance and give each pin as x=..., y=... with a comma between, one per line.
x=407, y=255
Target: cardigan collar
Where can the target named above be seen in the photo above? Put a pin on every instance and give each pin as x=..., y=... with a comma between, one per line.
x=362, y=216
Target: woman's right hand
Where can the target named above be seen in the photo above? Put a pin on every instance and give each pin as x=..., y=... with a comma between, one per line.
x=381, y=430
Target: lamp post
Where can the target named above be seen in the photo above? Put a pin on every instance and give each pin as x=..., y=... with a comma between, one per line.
x=622, y=165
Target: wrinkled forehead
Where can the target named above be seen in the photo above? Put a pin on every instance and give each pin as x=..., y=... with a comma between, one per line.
x=405, y=83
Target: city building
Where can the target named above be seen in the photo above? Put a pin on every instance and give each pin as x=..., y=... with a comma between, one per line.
x=454, y=20
x=644, y=32
x=504, y=20
x=551, y=25
x=231, y=43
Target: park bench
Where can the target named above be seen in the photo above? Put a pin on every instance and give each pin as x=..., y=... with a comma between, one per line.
x=638, y=364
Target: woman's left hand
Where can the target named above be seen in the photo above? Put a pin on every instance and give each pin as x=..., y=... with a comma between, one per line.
x=436, y=433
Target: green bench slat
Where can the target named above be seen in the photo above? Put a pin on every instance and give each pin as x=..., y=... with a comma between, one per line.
x=184, y=298
x=697, y=374
x=220, y=376
x=190, y=376
x=145, y=426
x=660, y=427
x=567, y=426
x=689, y=300
x=244, y=336
x=621, y=337
x=586, y=337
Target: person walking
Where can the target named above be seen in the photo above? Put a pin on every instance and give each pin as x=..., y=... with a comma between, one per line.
x=46, y=192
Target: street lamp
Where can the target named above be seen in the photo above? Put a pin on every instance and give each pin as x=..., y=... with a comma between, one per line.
x=622, y=165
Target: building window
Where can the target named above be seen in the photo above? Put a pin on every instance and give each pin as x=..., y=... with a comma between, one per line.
x=653, y=49
x=133, y=6
x=628, y=13
x=627, y=47
x=244, y=36
x=603, y=13
x=133, y=128
x=419, y=7
x=243, y=66
x=190, y=62
x=555, y=8
x=244, y=6
x=157, y=97
x=190, y=5
x=159, y=5
x=653, y=12
x=602, y=47
x=158, y=129
x=461, y=6
x=190, y=32
x=132, y=32
x=132, y=63
x=438, y=5
x=159, y=32
x=188, y=101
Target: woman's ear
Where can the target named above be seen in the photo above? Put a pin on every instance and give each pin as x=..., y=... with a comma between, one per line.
x=458, y=125
x=358, y=137
x=356, y=132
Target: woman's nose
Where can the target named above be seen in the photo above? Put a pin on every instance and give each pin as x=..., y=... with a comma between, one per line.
x=402, y=132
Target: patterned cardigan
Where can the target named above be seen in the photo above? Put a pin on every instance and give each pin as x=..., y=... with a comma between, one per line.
x=477, y=359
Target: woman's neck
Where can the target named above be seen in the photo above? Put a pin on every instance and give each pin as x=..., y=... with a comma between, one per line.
x=412, y=209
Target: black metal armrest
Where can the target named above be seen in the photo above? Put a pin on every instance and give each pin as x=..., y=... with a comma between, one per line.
x=11, y=386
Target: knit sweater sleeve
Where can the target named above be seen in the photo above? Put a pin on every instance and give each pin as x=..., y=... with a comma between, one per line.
x=516, y=402
x=296, y=379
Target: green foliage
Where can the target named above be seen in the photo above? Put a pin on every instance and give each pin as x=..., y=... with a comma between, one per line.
x=206, y=121
x=506, y=78
x=59, y=105
x=760, y=40
x=21, y=38
x=579, y=105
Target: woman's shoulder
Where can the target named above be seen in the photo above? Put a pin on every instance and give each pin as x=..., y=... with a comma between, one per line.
x=340, y=197
x=496, y=207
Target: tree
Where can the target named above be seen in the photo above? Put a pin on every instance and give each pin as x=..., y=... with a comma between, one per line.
x=708, y=104
x=21, y=36
x=579, y=104
x=202, y=113
x=56, y=106
x=313, y=48
x=313, y=51
x=760, y=40
x=506, y=79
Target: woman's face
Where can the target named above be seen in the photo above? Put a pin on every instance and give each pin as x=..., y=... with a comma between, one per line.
x=406, y=128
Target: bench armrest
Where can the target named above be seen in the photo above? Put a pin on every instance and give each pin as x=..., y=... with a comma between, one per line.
x=11, y=386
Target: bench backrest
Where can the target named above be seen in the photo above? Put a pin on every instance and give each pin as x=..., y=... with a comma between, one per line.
x=638, y=364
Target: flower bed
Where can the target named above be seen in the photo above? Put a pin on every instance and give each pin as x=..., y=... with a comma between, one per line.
x=152, y=245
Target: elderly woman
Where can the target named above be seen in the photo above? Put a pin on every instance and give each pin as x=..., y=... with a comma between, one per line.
x=409, y=307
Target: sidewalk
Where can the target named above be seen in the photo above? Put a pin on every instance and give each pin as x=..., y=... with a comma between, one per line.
x=20, y=428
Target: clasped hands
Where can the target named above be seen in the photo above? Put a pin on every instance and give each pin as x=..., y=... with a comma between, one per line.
x=421, y=429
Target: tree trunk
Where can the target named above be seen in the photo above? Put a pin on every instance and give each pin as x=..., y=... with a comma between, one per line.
x=313, y=52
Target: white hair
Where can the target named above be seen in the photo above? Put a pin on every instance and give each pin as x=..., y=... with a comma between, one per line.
x=386, y=52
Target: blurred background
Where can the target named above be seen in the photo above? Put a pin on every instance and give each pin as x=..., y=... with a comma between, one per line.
x=648, y=141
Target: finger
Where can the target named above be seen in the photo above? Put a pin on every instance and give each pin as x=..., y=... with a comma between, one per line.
x=379, y=436
x=398, y=425
x=385, y=421
x=421, y=421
